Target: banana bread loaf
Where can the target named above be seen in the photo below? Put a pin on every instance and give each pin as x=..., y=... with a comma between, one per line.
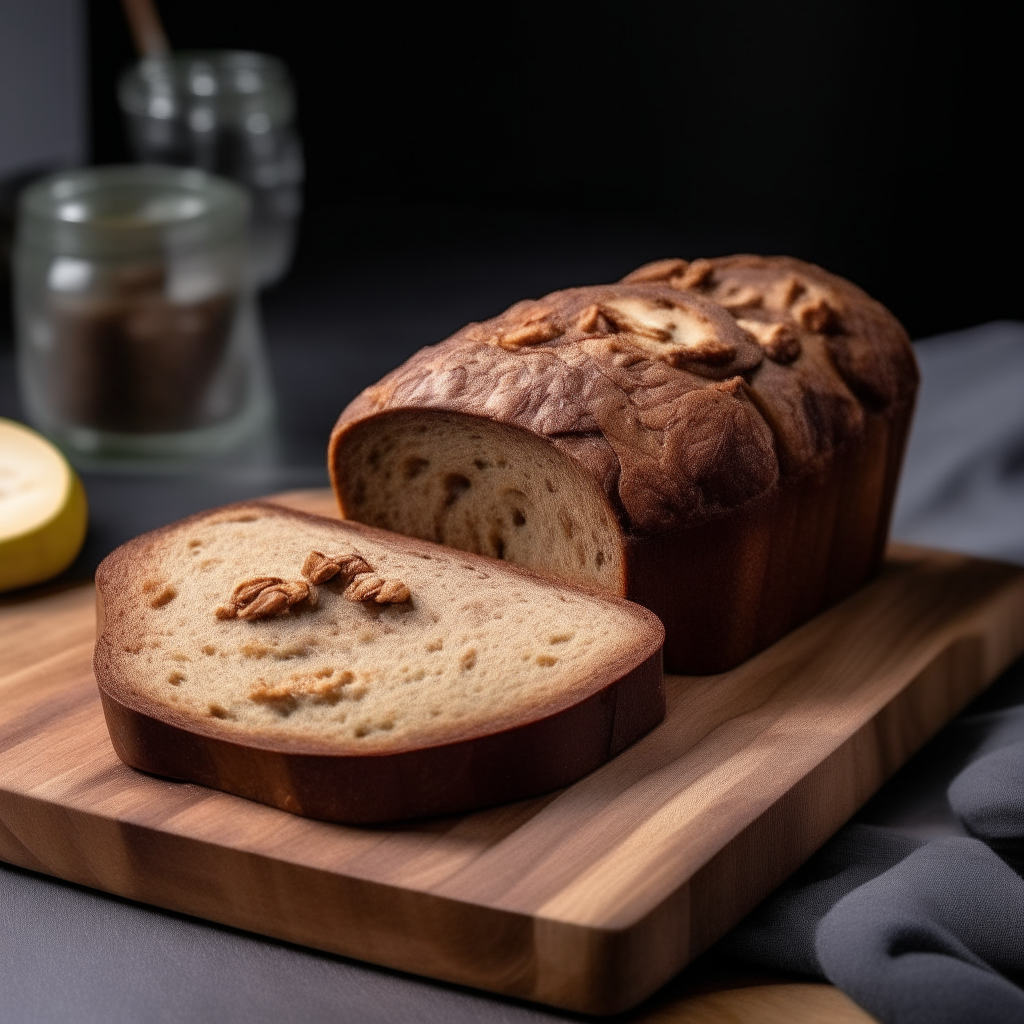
x=719, y=440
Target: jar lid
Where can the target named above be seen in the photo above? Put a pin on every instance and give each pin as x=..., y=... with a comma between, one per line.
x=130, y=210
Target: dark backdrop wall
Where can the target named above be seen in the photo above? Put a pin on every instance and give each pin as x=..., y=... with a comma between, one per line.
x=876, y=139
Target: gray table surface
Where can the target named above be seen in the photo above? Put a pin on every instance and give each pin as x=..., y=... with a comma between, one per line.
x=69, y=954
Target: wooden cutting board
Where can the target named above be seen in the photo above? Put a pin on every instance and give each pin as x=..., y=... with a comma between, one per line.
x=589, y=898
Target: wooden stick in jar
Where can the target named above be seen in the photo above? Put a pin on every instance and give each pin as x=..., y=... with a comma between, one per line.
x=146, y=27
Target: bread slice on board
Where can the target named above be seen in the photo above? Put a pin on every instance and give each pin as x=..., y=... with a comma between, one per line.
x=349, y=674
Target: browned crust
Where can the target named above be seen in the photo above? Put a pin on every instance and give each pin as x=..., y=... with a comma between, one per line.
x=715, y=467
x=546, y=747
x=688, y=439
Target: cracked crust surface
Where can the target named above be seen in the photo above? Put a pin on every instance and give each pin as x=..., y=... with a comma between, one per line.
x=724, y=437
x=685, y=390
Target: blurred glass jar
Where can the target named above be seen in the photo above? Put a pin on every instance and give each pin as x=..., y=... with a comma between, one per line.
x=137, y=331
x=230, y=112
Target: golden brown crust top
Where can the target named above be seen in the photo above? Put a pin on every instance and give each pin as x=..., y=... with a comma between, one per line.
x=685, y=389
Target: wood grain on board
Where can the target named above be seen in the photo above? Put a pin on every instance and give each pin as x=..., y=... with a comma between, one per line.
x=589, y=898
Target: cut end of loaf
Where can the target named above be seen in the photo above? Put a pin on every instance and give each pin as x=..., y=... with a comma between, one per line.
x=479, y=486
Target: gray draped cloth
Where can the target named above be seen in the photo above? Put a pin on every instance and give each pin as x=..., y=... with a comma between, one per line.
x=916, y=908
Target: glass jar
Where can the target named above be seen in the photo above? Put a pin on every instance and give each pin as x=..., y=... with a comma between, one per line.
x=230, y=112
x=137, y=331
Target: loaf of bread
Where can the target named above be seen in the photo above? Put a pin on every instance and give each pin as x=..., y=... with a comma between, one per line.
x=346, y=674
x=718, y=440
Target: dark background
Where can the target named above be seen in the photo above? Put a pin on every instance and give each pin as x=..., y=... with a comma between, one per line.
x=876, y=139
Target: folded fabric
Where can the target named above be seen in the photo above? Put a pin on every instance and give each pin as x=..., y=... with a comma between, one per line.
x=962, y=485
x=780, y=933
x=988, y=796
x=917, y=931
x=929, y=939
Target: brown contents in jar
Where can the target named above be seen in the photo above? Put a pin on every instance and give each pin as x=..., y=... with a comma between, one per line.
x=132, y=360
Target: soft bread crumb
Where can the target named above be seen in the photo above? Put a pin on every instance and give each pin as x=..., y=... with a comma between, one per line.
x=371, y=675
x=466, y=495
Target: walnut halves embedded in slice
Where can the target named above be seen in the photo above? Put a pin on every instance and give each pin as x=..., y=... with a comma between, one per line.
x=371, y=587
x=363, y=583
x=263, y=596
x=249, y=590
x=319, y=568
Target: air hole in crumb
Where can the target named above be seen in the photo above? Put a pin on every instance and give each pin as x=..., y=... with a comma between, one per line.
x=599, y=559
x=435, y=645
x=560, y=638
x=546, y=659
x=209, y=649
x=480, y=464
x=219, y=711
x=175, y=678
x=455, y=486
x=550, y=486
x=498, y=545
x=518, y=517
x=468, y=659
x=413, y=466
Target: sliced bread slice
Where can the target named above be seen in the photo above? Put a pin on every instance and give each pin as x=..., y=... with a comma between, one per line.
x=345, y=673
